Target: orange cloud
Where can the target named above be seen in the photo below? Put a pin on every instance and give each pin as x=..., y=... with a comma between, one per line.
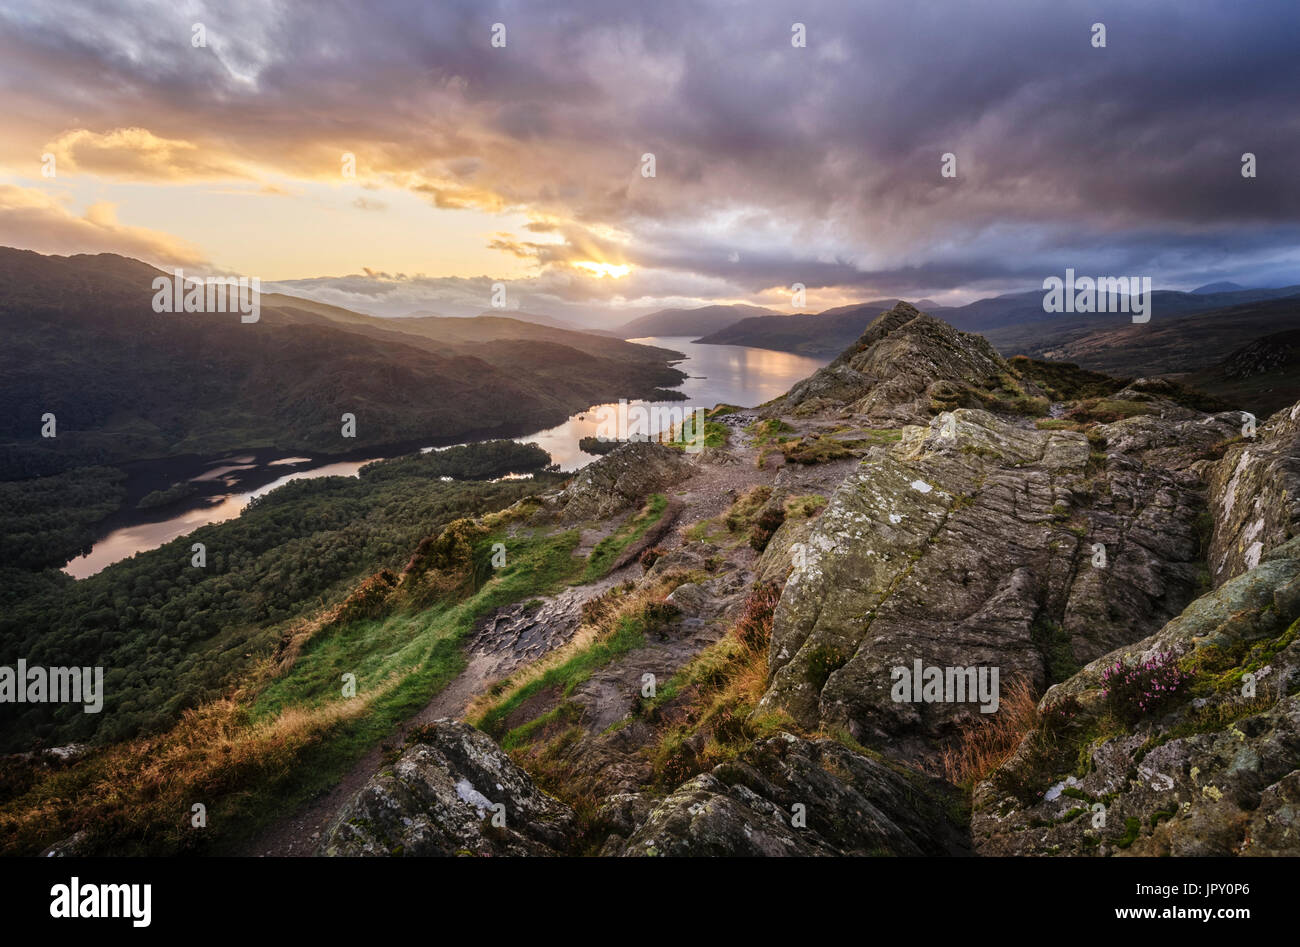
x=139, y=154
x=32, y=219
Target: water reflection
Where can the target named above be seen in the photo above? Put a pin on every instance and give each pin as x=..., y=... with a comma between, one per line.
x=718, y=374
x=140, y=537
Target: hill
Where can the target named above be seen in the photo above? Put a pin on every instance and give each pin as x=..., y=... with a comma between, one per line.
x=127, y=383
x=1012, y=321
x=1191, y=345
x=1262, y=376
x=692, y=322
x=819, y=334
x=904, y=591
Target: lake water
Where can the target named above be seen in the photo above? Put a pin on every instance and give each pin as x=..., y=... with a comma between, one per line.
x=718, y=374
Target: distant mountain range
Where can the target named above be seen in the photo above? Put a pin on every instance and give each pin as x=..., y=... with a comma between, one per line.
x=822, y=334
x=1245, y=354
x=126, y=383
x=1016, y=309
x=1018, y=325
x=1221, y=287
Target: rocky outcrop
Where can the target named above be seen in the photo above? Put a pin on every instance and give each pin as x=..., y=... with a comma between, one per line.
x=890, y=376
x=791, y=796
x=785, y=796
x=454, y=792
x=978, y=542
x=620, y=480
x=1214, y=769
x=1255, y=494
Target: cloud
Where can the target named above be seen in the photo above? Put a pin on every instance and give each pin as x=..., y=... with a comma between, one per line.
x=32, y=219
x=819, y=165
x=139, y=154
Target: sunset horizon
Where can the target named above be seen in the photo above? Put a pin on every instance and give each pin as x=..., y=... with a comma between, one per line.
x=482, y=442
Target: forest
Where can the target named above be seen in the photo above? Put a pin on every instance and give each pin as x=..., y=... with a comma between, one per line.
x=170, y=635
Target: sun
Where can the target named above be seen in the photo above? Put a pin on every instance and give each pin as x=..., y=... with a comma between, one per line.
x=601, y=270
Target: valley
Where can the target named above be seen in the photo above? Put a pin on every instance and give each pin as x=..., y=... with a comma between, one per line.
x=677, y=650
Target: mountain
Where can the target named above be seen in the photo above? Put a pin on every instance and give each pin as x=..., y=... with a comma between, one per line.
x=1026, y=309
x=1260, y=380
x=1262, y=376
x=983, y=605
x=819, y=334
x=692, y=322
x=126, y=383
x=1013, y=321
x=540, y=320
x=1221, y=287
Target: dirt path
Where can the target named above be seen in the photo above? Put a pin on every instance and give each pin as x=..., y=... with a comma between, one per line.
x=504, y=641
x=518, y=635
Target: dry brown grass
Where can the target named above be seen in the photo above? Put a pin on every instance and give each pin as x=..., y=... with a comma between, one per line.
x=986, y=745
x=138, y=795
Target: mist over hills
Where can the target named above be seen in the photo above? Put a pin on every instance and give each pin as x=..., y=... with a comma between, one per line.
x=820, y=334
x=701, y=321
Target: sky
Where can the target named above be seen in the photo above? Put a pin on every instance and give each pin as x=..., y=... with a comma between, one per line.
x=521, y=161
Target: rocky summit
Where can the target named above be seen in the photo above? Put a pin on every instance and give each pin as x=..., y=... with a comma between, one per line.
x=930, y=602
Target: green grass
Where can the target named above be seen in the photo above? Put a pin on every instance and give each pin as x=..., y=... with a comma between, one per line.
x=422, y=648
x=1057, y=424
x=715, y=434
x=611, y=547
x=1108, y=410
x=809, y=504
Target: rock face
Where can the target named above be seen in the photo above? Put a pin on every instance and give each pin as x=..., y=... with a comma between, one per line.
x=438, y=799
x=1255, y=493
x=978, y=544
x=1213, y=771
x=619, y=480
x=851, y=805
x=975, y=542
x=891, y=373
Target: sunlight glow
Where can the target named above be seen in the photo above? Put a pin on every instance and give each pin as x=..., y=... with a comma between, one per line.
x=601, y=270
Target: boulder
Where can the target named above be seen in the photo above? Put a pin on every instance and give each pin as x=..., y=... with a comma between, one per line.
x=975, y=542
x=439, y=798
x=620, y=480
x=1255, y=494
x=791, y=796
x=1212, y=769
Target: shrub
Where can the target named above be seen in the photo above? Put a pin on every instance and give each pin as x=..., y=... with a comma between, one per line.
x=754, y=627
x=769, y=521
x=1133, y=691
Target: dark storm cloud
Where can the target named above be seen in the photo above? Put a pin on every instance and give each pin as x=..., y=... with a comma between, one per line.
x=774, y=164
